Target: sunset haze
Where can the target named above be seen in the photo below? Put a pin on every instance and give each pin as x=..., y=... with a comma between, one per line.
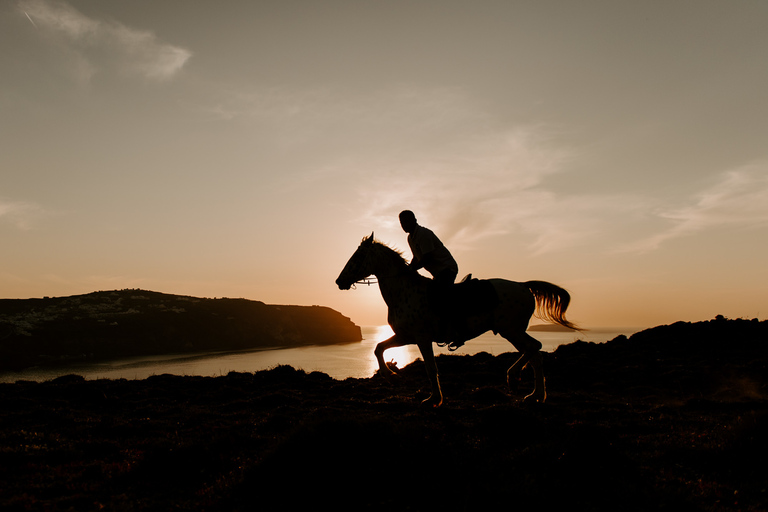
x=244, y=148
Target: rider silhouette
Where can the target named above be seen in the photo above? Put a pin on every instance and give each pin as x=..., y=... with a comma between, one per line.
x=428, y=251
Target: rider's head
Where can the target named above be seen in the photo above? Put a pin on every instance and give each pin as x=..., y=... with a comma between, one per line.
x=407, y=220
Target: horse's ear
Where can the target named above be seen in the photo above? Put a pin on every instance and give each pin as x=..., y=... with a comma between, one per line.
x=369, y=240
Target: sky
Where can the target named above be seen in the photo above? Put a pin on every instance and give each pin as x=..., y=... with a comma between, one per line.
x=244, y=148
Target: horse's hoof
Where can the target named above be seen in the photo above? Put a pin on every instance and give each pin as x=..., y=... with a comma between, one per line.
x=392, y=366
x=385, y=374
x=432, y=401
x=534, y=398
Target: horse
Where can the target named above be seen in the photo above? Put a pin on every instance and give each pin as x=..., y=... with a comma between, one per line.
x=418, y=309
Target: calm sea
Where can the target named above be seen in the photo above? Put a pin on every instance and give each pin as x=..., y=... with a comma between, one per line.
x=338, y=361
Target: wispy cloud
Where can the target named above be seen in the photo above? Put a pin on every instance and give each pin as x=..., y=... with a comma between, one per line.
x=482, y=186
x=472, y=177
x=19, y=214
x=738, y=199
x=103, y=44
x=435, y=151
x=328, y=110
x=496, y=184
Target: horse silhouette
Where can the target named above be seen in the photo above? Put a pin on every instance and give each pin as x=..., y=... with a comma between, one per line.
x=418, y=309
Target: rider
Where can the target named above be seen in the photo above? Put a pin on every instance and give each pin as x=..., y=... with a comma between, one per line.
x=428, y=251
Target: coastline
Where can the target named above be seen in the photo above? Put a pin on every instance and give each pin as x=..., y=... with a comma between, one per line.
x=660, y=421
x=340, y=361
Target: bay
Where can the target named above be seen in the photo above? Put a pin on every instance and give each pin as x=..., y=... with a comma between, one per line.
x=339, y=361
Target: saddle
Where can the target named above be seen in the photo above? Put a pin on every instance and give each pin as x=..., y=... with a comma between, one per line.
x=457, y=302
x=472, y=295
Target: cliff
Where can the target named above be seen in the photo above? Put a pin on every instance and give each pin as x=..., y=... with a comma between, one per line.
x=110, y=324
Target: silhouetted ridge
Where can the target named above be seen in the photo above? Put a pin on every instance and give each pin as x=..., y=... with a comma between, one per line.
x=122, y=323
x=710, y=357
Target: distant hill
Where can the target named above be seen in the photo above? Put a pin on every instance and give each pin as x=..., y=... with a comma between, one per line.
x=122, y=323
x=549, y=328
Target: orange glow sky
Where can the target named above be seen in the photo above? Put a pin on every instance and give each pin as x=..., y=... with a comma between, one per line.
x=243, y=149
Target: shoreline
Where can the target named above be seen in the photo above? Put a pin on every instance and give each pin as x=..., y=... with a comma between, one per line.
x=658, y=421
x=320, y=357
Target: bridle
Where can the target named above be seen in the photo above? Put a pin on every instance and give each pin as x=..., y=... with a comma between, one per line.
x=362, y=260
x=370, y=279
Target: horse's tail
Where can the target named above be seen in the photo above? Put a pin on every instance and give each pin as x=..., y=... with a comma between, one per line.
x=551, y=302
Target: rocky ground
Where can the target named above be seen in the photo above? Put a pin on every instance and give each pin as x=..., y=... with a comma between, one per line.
x=674, y=418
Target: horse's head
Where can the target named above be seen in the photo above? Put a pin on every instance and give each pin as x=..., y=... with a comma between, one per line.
x=358, y=267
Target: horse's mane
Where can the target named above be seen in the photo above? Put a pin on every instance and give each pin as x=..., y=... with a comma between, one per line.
x=390, y=251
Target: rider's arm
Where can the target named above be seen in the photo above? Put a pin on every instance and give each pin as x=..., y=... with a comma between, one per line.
x=417, y=263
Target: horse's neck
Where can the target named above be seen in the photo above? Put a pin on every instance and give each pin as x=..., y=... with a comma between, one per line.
x=395, y=279
x=396, y=288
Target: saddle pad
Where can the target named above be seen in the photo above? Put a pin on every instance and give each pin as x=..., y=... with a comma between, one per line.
x=474, y=295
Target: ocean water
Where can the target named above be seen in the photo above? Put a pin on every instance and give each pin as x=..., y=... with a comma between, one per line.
x=338, y=361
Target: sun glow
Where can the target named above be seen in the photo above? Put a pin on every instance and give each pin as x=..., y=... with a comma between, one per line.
x=382, y=332
x=401, y=356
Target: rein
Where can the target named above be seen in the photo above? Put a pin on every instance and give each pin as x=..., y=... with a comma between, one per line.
x=371, y=279
x=368, y=280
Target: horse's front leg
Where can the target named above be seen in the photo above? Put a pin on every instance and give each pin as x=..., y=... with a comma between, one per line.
x=539, y=391
x=428, y=354
x=513, y=374
x=394, y=341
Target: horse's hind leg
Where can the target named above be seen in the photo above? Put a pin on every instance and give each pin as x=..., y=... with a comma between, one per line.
x=428, y=354
x=513, y=374
x=539, y=390
x=530, y=349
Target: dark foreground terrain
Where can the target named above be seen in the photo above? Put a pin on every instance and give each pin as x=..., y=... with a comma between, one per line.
x=674, y=418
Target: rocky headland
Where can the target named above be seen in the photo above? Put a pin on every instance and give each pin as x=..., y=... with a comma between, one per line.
x=124, y=323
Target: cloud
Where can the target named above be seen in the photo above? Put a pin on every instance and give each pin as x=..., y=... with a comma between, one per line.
x=484, y=182
x=408, y=143
x=19, y=214
x=435, y=151
x=325, y=112
x=100, y=44
x=470, y=176
x=479, y=187
x=738, y=199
